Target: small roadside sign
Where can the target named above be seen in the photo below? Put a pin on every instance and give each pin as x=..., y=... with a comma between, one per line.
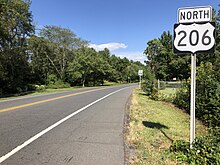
x=140, y=72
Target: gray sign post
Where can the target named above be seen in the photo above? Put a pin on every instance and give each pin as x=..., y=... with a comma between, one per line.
x=140, y=73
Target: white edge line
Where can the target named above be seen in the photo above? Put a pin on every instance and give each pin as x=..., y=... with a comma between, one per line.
x=35, y=137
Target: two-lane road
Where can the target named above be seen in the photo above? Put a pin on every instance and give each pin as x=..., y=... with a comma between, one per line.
x=76, y=127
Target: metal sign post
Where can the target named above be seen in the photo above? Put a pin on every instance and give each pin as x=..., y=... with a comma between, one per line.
x=140, y=73
x=140, y=82
x=193, y=99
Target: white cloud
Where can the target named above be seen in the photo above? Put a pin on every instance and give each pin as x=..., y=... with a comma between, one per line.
x=111, y=46
x=114, y=46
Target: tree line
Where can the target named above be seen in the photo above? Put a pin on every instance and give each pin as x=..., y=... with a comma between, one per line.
x=54, y=56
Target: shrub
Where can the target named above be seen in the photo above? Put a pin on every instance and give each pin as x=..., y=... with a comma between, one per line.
x=147, y=87
x=182, y=98
x=39, y=88
x=207, y=95
x=206, y=150
x=54, y=83
x=155, y=95
x=58, y=84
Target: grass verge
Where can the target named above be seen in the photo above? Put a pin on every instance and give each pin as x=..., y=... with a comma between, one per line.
x=153, y=126
x=49, y=90
x=30, y=93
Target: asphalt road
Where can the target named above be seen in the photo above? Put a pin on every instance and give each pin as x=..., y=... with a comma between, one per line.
x=75, y=127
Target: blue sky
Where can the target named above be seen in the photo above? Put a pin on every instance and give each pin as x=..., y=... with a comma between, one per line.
x=123, y=26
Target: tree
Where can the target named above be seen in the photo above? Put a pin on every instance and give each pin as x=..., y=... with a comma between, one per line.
x=152, y=52
x=64, y=42
x=164, y=64
x=106, y=69
x=166, y=54
x=115, y=73
x=41, y=56
x=15, y=26
x=82, y=65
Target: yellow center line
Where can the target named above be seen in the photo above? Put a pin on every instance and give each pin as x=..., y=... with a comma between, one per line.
x=47, y=100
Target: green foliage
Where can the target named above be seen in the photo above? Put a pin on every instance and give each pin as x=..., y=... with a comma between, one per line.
x=55, y=57
x=182, y=98
x=159, y=53
x=54, y=83
x=41, y=52
x=208, y=95
x=148, y=84
x=15, y=27
x=40, y=88
x=147, y=87
x=205, y=149
x=155, y=95
x=61, y=41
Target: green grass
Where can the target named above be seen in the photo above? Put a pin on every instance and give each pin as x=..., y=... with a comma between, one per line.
x=38, y=92
x=169, y=91
x=154, y=125
x=55, y=90
x=171, y=88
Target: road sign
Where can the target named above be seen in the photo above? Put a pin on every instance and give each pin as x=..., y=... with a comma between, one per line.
x=194, y=38
x=195, y=14
x=140, y=72
x=194, y=34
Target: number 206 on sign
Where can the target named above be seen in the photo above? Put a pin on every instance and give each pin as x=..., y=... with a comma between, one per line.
x=194, y=38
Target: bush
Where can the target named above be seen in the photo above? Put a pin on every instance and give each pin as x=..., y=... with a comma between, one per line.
x=40, y=88
x=206, y=150
x=58, y=84
x=155, y=95
x=54, y=83
x=207, y=95
x=147, y=87
x=182, y=98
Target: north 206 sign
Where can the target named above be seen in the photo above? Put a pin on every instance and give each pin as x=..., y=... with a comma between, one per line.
x=194, y=33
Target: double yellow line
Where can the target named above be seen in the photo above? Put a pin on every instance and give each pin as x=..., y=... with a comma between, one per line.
x=47, y=100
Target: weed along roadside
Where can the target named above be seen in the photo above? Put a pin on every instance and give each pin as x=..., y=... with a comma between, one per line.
x=153, y=127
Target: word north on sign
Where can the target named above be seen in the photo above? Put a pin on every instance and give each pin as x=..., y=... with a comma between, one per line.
x=190, y=15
